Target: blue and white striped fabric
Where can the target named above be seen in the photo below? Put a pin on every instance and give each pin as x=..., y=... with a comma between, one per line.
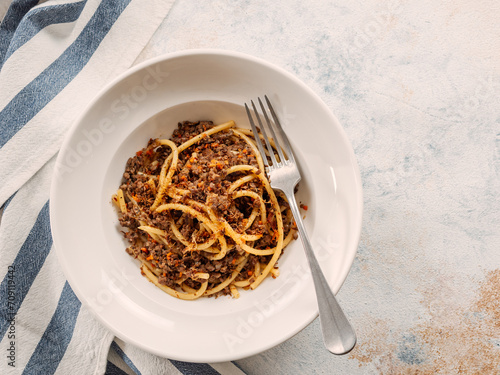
x=54, y=57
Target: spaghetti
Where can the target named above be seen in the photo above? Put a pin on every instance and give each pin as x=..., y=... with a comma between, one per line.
x=201, y=215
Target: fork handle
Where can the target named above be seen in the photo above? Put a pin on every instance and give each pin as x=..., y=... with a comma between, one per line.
x=338, y=334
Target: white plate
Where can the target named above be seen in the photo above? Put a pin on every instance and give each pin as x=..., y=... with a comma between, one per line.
x=148, y=101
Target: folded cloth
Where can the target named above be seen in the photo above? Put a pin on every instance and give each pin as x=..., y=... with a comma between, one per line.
x=54, y=57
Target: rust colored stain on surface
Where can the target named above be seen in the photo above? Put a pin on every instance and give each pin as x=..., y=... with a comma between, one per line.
x=489, y=301
x=463, y=340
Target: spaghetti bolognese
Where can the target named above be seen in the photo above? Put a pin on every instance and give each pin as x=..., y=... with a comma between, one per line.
x=201, y=215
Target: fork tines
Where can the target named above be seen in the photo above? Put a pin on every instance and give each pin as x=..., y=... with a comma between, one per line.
x=283, y=144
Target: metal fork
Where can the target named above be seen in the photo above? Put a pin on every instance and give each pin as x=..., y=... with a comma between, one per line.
x=338, y=334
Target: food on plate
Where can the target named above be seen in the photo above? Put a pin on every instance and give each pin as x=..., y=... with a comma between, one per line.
x=201, y=215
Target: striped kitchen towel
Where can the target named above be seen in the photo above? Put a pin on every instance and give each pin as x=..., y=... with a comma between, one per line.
x=54, y=57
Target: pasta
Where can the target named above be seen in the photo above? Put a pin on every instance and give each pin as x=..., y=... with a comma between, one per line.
x=201, y=215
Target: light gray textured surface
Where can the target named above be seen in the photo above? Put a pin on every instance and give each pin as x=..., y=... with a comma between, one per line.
x=416, y=86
